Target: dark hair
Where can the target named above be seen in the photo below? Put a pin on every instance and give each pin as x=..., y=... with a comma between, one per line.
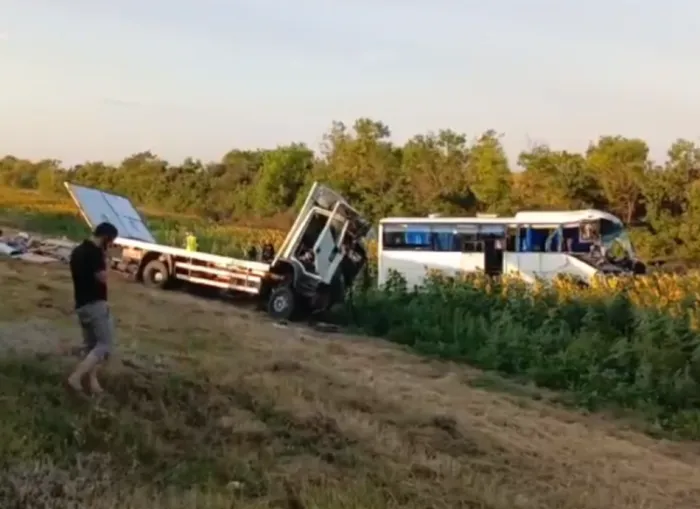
x=106, y=230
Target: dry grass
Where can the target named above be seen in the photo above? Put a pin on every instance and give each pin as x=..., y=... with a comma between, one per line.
x=212, y=406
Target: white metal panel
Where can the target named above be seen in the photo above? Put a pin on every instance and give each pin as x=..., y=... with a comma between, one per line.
x=326, y=252
x=217, y=272
x=548, y=265
x=98, y=207
x=414, y=265
x=472, y=262
x=218, y=284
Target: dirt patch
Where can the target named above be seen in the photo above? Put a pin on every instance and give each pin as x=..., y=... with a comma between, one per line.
x=33, y=336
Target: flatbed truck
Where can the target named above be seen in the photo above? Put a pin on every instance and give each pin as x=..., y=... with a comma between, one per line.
x=318, y=260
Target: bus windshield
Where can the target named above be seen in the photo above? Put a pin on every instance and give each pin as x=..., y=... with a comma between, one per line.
x=615, y=238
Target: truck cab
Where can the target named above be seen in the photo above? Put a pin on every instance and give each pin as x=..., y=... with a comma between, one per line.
x=321, y=256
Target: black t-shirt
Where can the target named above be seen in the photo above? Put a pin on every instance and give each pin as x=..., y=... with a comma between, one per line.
x=86, y=261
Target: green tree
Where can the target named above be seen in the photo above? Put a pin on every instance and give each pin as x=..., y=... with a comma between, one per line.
x=555, y=180
x=282, y=174
x=489, y=172
x=365, y=166
x=48, y=176
x=620, y=165
x=431, y=172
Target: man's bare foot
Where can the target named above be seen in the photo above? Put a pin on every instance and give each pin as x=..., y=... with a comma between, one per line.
x=95, y=387
x=74, y=385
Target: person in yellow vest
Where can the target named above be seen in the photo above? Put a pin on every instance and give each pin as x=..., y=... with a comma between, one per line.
x=190, y=242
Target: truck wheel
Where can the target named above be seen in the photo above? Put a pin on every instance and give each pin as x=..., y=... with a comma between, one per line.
x=155, y=275
x=281, y=305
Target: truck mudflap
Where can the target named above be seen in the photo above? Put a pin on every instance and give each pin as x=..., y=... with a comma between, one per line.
x=98, y=206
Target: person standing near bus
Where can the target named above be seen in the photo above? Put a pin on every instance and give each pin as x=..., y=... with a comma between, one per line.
x=88, y=267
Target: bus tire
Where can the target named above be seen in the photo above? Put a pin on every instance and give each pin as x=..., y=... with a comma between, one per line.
x=155, y=275
x=282, y=303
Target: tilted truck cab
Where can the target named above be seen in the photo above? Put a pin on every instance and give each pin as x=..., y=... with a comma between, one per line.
x=321, y=255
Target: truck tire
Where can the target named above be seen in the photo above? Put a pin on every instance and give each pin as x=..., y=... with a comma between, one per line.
x=155, y=275
x=282, y=303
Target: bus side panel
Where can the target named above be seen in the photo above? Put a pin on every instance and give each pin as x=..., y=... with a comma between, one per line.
x=547, y=266
x=414, y=265
x=471, y=262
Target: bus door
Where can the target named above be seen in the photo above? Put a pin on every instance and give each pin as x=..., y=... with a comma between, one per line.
x=494, y=241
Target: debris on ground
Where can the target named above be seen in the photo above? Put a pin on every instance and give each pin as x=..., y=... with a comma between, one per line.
x=325, y=327
x=34, y=249
x=9, y=250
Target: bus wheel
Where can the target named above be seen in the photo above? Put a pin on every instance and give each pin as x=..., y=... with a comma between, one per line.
x=281, y=304
x=155, y=275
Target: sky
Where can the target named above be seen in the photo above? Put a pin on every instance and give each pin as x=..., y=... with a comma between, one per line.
x=102, y=79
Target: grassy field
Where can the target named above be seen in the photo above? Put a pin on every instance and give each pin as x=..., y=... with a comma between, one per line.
x=210, y=406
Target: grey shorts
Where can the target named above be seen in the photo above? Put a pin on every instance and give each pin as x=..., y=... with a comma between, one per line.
x=98, y=328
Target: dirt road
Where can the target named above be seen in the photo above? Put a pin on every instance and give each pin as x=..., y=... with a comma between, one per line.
x=276, y=415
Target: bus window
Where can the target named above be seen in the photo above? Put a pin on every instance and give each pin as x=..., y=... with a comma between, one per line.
x=445, y=239
x=589, y=231
x=538, y=239
x=493, y=231
x=525, y=240
x=609, y=230
x=409, y=238
x=572, y=244
x=554, y=242
x=468, y=238
x=472, y=246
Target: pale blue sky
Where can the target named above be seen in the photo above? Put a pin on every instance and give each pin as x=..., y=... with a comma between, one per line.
x=101, y=79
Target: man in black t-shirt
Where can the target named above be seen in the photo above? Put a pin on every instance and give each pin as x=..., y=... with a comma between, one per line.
x=89, y=272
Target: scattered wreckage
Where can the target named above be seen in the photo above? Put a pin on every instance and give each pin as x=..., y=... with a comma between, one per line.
x=28, y=248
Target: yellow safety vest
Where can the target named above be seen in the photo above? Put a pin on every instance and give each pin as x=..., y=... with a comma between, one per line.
x=191, y=243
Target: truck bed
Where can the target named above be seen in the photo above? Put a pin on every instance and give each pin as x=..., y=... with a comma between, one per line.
x=232, y=264
x=97, y=206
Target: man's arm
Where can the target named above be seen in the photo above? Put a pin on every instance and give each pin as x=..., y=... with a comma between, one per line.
x=100, y=268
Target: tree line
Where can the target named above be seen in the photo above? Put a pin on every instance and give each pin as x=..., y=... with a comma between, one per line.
x=438, y=172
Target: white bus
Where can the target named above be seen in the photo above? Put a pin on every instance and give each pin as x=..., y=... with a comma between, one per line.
x=581, y=243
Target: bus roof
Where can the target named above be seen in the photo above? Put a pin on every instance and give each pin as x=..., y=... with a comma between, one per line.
x=569, y=216
x=542, y=218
